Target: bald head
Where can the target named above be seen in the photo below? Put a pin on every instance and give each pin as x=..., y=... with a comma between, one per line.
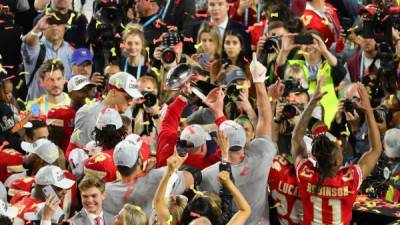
x=201, y=221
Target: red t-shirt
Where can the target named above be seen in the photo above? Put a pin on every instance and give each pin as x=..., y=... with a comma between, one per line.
x=26, y=205
x=326, y=23
x=334, y=202
x=10, y=163
x=282, y=183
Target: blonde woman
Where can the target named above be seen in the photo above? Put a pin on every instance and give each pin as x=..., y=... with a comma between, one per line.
x=131, y=215
x=208, y=45
x=134, y=48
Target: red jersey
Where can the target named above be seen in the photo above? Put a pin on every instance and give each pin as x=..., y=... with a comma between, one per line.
x=282, y=183
x=334, y=201
x=26, y=205
x=10, y=163
x=326, y=23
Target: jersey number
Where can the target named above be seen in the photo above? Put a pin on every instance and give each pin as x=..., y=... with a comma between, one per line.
x=295, y=212
x=336, y=211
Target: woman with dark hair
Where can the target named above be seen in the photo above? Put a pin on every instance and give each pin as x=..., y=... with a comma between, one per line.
x=327, y=189
x=233, y=53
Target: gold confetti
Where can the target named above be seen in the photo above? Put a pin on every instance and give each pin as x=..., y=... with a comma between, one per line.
x=274, y=15
x=71, y=18
x=197, y=46
x=19, y=84
x=113, y=52
x=278, y=204
x=301, y=52
x=98, y=23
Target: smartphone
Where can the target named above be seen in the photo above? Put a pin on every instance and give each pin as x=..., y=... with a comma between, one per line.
x=49, y=191
x=204, y=58
x=35, y=109
x=181, y=149
x=303, y=39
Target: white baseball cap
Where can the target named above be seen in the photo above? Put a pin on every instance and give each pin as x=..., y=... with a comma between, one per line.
x=195, y=134
x=78, y=82
x=126, y=154
x=109, y=116
x=53, y=175
x=235, y=133
x=76, y=160
x=391, y=142
x=43, y=148
x=127, y=82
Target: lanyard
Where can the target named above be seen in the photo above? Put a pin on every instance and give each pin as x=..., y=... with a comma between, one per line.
x=362, y=66
x=139, y=68
x=131, y=184
x=166, y=9
x=150, y=20
x=246, y=17
x=46, y=103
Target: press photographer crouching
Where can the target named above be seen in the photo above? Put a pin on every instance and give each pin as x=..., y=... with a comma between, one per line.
x=292, y=100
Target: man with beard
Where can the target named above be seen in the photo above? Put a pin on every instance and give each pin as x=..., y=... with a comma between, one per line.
x=52, y=79
x=54, y=46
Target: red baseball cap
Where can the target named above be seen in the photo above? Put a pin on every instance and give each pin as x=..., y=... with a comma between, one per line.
x=23, y=186
x=102, y=166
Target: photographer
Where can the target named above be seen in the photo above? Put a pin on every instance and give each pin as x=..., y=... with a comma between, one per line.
x=146, y=112
x=349, y=116
x=53, y=46
x=318, y=60
x=149, y=12
x=168, y=55
x=76, y=35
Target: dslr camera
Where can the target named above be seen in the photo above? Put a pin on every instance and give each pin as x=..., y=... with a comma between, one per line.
x=150, y=99
x=168, y=55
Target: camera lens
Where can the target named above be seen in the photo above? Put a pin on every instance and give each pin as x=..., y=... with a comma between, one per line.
x=272, y=44
x=149, y=99
x=233, y=92
x=348, y=106
x=168, y=55
x=289, y=111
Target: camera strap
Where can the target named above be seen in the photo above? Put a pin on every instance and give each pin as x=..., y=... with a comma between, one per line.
x=152, y=19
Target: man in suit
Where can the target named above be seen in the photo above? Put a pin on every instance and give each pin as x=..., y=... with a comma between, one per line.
x=218, y=12
x=92, y=195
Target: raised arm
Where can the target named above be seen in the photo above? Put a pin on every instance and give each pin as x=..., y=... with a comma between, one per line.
x=241, y=216
x=368, y=161
x=264, y=124
x=299, y=150
x=159, y=201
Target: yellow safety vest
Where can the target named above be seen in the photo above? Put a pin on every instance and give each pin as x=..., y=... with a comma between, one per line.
x=329, y=101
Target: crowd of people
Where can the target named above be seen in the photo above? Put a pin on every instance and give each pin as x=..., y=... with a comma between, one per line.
x=197, y=112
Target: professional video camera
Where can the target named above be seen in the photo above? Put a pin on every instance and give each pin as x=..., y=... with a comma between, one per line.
x=378, y=21
x=104, y=31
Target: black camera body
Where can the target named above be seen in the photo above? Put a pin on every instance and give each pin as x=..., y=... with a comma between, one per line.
x=233, y=91
x=272, y=45
x=150, y=99
x=291, y=110
x=348, y=106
